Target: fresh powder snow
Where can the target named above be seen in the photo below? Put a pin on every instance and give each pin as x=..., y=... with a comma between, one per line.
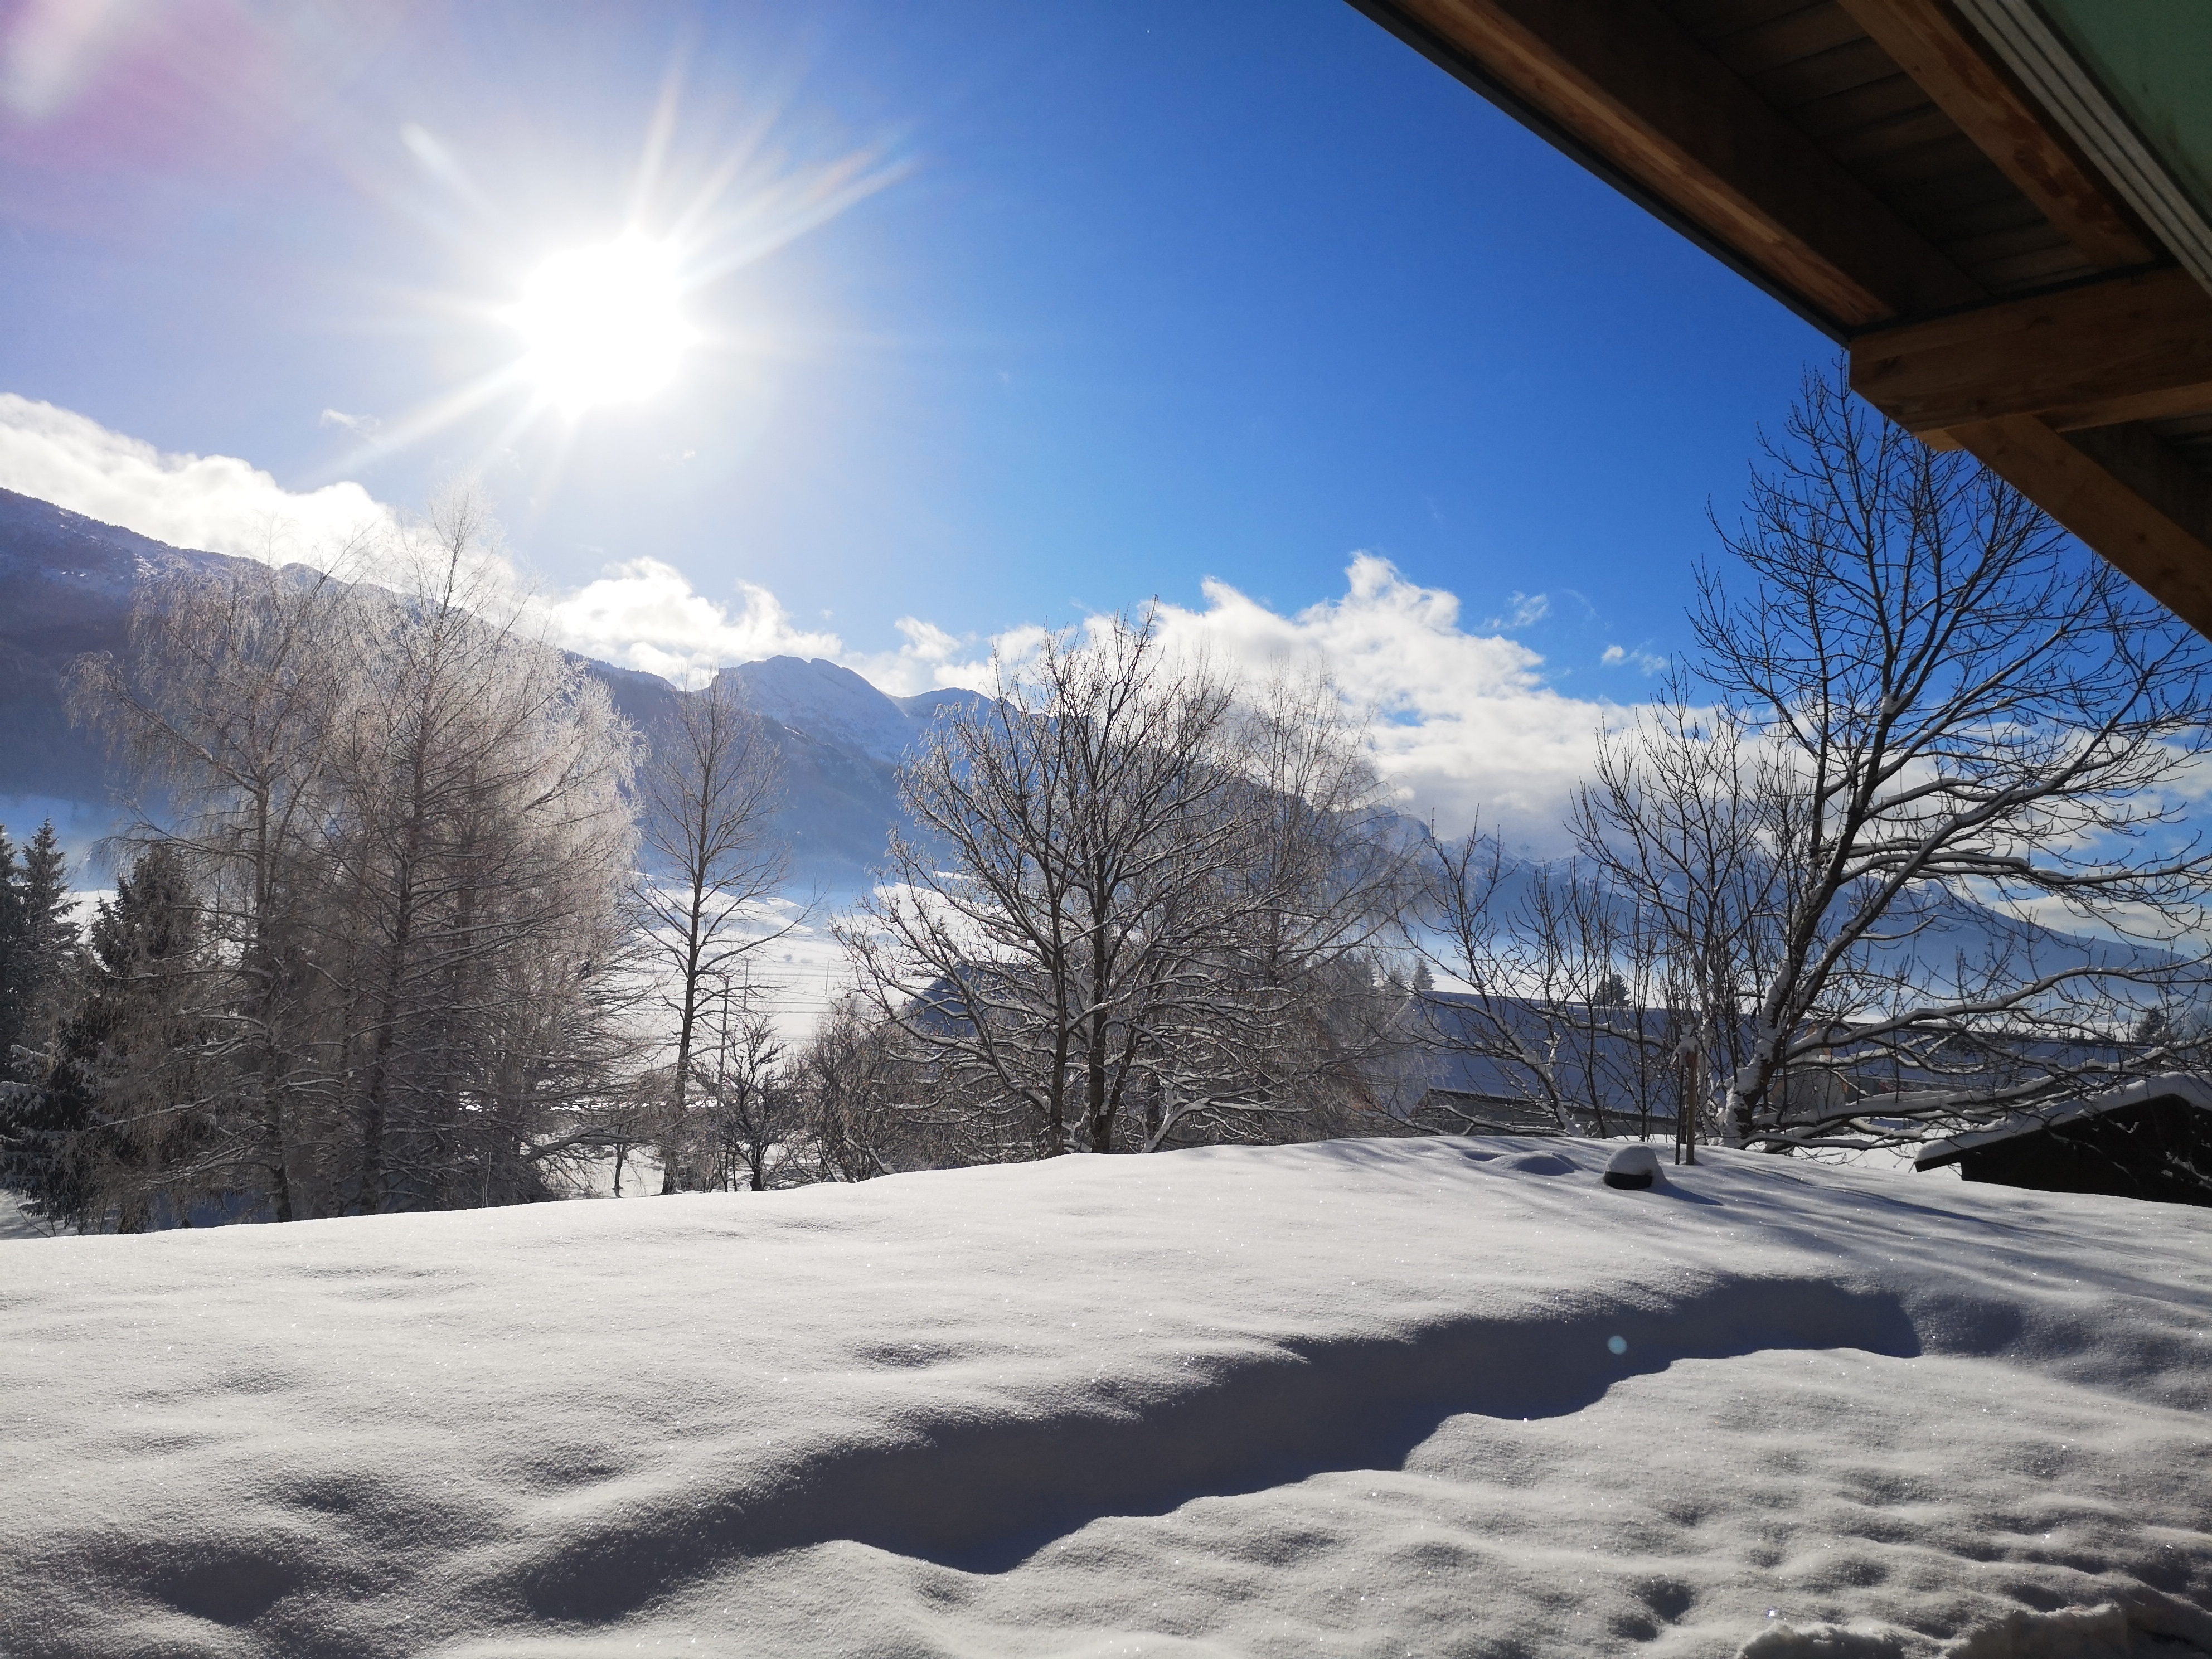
x=1394, y=1397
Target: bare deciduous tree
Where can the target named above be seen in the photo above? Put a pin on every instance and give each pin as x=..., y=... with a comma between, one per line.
x=1929, y=820
x=711, y=786
x=1129, y=901
x=750, y=1100
x=1568, y=1008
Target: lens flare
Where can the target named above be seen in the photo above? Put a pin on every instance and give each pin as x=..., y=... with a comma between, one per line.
x=602, y=324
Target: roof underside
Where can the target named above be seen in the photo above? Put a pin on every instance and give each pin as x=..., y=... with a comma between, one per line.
x=1998, y=210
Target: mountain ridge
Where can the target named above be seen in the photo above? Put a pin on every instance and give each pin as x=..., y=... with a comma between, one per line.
x=67, y=583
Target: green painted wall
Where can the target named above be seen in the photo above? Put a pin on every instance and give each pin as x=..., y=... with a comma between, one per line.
x=2154, y=59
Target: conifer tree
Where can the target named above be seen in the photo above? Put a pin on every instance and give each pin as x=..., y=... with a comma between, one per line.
x=101, y=1130
x=13, y=956
x=45, y=940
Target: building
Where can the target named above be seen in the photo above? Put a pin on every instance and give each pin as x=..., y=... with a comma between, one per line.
x=2151, y=1139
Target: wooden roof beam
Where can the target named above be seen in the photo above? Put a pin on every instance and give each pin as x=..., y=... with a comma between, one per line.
x=1936, y=46
x=2135, y=347
x=1625, y=81
x=2122, y=493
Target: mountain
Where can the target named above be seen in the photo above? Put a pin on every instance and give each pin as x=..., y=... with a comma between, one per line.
x=67, y=584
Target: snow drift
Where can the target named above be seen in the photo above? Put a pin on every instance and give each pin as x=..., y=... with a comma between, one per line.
x=1428, y=1397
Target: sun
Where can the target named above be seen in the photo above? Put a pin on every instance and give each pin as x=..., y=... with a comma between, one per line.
x=602, y=324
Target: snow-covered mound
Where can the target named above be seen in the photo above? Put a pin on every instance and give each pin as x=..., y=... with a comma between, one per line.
x=1391, y=1397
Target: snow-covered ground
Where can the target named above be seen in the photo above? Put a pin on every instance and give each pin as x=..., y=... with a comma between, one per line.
x=1435, y=1397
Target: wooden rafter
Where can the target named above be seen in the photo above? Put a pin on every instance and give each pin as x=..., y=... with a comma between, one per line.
x=1932, y=43
x=2147, y=520
x=1632, y=85
x=2135, y=347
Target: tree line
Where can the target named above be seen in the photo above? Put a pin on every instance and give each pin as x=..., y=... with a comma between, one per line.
x=410, y=918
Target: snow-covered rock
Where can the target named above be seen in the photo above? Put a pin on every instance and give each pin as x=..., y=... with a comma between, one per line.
x=1356, y=1398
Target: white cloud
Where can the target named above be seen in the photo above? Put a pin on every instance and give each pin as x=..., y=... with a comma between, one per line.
x=215, y=502
x=1615, y=655
x=644, y=614
x=1464, y=721
x=1524, y=611
x=365, y=426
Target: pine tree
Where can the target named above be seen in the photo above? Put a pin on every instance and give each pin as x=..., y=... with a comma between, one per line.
x=16, y=967
x=46, y=940
x=99, y=1129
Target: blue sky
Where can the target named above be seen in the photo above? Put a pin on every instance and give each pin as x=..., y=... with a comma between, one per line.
x=1129, y=295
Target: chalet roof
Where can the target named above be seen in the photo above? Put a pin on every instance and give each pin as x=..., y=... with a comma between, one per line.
x=2002, y=208
x=2176, y=1086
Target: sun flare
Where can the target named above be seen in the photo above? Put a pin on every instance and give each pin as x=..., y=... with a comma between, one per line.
x=602, y=324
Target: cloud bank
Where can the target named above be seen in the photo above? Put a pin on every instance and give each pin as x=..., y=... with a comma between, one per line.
x=1464, y=721
x=214, y=502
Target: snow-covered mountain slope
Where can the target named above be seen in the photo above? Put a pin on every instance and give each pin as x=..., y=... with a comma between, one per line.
x=838, y=706
x=1438, y=1397
x=67, y=583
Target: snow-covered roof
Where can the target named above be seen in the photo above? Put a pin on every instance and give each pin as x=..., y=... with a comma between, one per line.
x=2175, y=1086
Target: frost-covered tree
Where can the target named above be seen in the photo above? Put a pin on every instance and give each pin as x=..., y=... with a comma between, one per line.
x=225, y=709
x=402, y=817
x=479, y=845
x=711, y=785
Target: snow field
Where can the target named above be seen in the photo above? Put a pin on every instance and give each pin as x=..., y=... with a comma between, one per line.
x=1437, y=1397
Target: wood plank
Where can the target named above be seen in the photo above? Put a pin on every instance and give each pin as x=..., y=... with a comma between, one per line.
x=1710, y=20
x=1843, y=69
x=1945, y=160
x=1896, y=96
x=1874, y=141
x=1621, y=77
x=2030, y=271
x=1802, y=34
x=1934, y=45
x=2134, y=454
x=2170, y=561
x=2127, y=348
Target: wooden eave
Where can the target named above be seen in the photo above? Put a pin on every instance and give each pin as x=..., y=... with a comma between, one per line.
x=1874, y=166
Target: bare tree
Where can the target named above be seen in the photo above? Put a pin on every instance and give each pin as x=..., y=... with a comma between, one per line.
x=749, y=1097
x=861, y=1118
x=1125, y=900
x=1567, y=1009
x=1927, y=822
x=711, y=786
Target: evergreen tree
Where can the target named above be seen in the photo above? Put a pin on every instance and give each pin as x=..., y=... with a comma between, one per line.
x=46, y=941
x=111, y=1123
x=14, y=963
x=36, y=938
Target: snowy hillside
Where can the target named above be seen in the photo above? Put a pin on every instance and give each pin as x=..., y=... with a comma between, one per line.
x=839, y=706
x=1403, y=1397
x=67, y=583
